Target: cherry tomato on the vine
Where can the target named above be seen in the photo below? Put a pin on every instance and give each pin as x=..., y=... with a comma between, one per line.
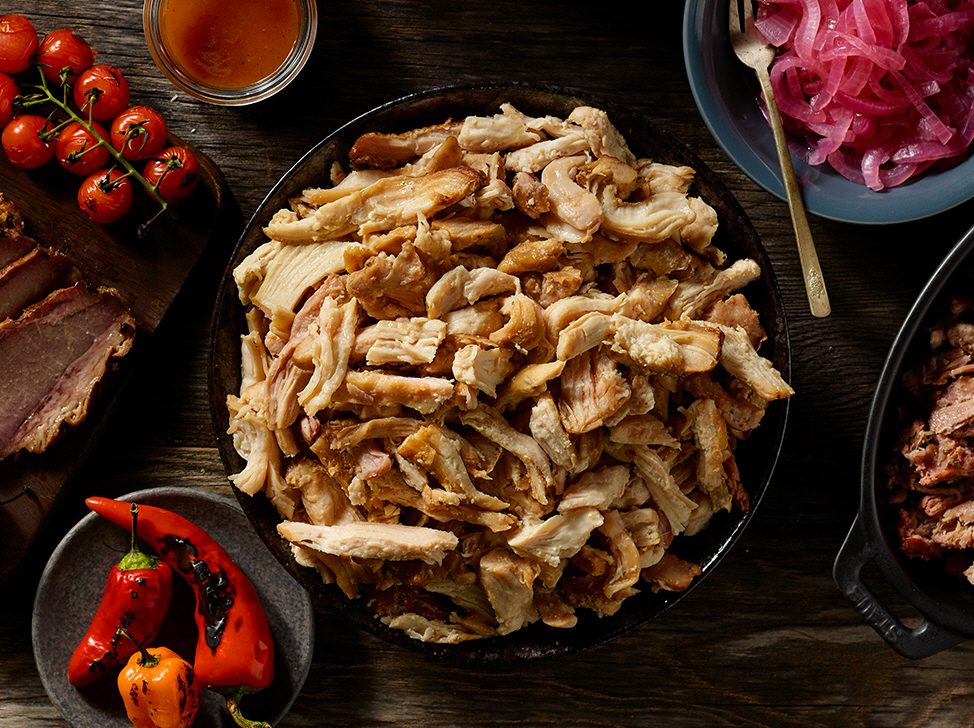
x=106, y=196
x=8, y=91
x=78, y=150
x=18, y=41
x=23, y=143
x=103, y=89
x=174, y=171
x=139, y=133
x=64, y=48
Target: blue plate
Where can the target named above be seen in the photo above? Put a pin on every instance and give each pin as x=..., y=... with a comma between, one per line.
x=726, y=94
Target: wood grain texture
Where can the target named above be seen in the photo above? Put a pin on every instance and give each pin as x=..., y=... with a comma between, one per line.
x=767, y=640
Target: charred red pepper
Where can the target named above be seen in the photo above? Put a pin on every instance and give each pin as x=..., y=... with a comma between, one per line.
x=235, y=650
x=136, y=598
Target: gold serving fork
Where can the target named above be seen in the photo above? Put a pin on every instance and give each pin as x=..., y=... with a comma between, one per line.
x=751, y=48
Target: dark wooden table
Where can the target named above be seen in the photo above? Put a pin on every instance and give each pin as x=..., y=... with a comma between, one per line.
x=767, y=639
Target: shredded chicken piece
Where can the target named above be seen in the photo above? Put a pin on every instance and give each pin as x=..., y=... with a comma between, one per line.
x=390, y=541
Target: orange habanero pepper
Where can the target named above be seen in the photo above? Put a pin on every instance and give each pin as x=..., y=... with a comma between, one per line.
x=159, y=688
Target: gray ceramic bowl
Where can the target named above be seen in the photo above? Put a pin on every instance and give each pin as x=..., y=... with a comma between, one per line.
x=726, y=94
x=73, y=582
x=736, y=236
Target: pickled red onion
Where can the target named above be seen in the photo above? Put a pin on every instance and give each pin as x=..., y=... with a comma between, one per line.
x=879, y=89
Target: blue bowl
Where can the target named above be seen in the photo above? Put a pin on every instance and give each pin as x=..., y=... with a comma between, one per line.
x=726, y=94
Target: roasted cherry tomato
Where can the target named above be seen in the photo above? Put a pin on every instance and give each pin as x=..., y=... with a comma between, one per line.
x=64, y=48
x=103, y=89
x=8, y=91
x=78, y=150
x=24, y=141
x=174, y=171
x=18, y=41
x=139, y=133
x=105, y=196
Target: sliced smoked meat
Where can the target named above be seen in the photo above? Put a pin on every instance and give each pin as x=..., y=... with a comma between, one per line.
x=30, y=278
x=54, y=355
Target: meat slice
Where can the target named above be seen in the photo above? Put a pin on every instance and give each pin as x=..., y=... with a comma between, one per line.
x=390, y=541
x=54, y=355
x=392, y=286
x=31, y=277
x=13, y=246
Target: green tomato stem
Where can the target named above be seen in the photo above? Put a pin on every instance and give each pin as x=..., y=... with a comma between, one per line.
x=130, y=170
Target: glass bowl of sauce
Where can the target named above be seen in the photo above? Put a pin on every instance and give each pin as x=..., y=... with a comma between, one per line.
x=230, y=53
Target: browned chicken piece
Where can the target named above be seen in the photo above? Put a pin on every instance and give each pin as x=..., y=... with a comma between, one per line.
x=390, y=287
x=383, y=205
x=525, y=327
x=667, y=257
x=377, y=387
x=643, y=429
x=671, y=573
x=561, y=313
x=584, y=333
x=659, y=177
x=528, y=382
x=434, y=450
x=741, y=415
x=557, y=285
x=539, y=255
x=390, y=150
x=468, y=233
x=530, y=195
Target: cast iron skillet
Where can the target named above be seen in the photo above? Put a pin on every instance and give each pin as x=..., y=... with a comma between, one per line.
x=946, y=603
x=736, y=236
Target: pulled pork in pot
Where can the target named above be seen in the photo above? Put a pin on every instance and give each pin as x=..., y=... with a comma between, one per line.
x=932, y=474
x=494, y=370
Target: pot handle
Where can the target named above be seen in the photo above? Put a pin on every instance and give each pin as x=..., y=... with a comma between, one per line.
x=927, y=639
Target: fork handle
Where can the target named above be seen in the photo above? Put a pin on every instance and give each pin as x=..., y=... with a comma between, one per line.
x=818, y=297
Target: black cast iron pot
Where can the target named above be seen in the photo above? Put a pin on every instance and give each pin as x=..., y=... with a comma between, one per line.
x=946, y=602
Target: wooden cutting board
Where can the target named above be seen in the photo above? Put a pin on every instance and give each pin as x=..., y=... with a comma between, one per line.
x=146, y=271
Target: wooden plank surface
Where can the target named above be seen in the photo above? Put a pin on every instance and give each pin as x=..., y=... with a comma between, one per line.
x=767, y=640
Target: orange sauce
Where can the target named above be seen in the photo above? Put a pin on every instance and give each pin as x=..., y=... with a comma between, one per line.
x=229, y=44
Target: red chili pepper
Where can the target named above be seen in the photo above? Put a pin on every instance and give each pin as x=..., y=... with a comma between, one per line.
x=136, y=598
x=235, y=650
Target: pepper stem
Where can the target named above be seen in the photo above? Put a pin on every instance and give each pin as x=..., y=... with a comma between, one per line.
x=147, y=659
x=136, y=559
x=234, y=695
